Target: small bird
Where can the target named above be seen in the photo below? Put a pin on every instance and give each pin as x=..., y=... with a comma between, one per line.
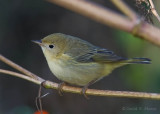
x=78, y=62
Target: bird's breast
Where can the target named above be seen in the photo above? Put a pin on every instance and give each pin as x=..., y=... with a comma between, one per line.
x=74, y=72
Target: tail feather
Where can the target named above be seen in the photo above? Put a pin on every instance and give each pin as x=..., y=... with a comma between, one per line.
x=140, y=60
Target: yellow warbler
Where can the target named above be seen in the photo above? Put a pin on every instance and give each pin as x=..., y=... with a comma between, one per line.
x=78, y=62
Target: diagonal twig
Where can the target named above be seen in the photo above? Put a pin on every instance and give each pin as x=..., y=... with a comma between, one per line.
x=17, y=67
x=153, y=10
x=25, y=77
x=125, y=9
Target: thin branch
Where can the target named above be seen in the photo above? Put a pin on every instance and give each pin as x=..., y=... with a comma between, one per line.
x=38, y=100
x=154, y=10
x=52, y=85
x=17, y=67
x=110, y=93
x=94, y=92
x=125, y=9
x=25, y=77
x=108, y=17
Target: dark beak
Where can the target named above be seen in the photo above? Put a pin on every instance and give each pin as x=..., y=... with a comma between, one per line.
x=39, y=42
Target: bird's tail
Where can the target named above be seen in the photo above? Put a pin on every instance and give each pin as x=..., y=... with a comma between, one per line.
x=132, y=61
x=139, y=61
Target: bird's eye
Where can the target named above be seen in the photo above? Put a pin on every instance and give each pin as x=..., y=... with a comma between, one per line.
x=51, y=46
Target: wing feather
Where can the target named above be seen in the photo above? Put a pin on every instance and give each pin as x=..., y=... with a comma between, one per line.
x=99, y=55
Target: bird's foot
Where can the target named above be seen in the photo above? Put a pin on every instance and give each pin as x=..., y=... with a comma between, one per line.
x=83, y=91
x=60, y=86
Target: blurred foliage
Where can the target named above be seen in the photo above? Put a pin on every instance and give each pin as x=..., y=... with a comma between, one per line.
x=133, y=47
x=140, y=77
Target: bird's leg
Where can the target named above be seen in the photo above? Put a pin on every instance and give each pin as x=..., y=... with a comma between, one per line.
x=84, y=89
x=60, y=86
